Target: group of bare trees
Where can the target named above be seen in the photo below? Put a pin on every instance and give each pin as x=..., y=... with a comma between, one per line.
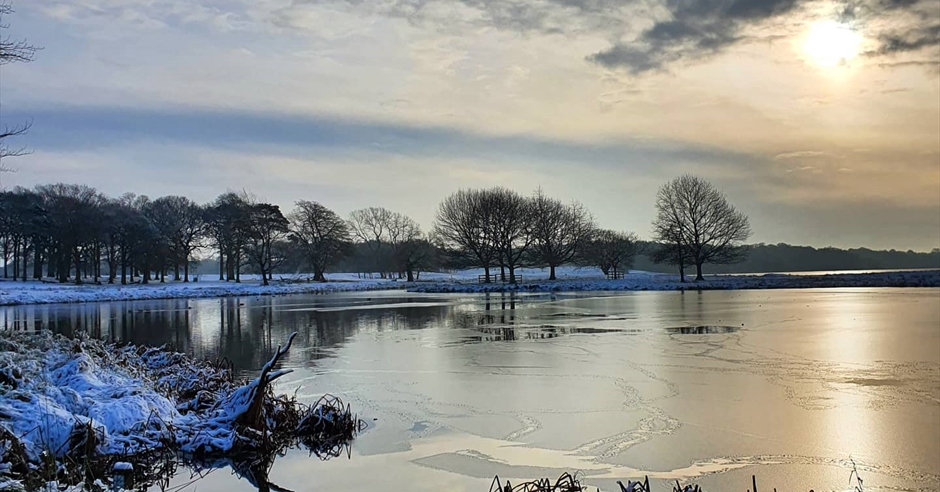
x=498, y=227
x=73, y=233
x=393, y=243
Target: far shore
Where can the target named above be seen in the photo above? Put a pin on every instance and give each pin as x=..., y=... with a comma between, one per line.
x=35, y=292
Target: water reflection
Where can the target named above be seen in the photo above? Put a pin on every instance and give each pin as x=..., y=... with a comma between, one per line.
x=244, y=330
x=247, y=330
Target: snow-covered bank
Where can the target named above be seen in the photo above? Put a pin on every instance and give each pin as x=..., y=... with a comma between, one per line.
x=531, y=280
x=70, y=409
x=14, y=293
x=648, y=281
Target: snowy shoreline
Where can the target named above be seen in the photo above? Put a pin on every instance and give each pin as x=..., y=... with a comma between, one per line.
x=18, y=293
x=664, y=282
x=533, y=280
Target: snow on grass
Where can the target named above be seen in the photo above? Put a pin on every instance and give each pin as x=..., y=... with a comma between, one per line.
x=67, y=403
x=651, y=281
x=14, y=293
x=529, y=279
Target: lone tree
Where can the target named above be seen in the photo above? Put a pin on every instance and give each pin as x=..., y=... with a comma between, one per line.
x=611, y=251
x=12, y=51
x=695, y=219
x=322, y=235
x=559, y=231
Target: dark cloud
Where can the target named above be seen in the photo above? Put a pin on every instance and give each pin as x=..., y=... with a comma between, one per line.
x=915, y=26
x=96, y=128
x=695, y=29
x=913, y=40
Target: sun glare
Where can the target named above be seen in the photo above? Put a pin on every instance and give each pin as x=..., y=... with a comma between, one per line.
x=830, y=43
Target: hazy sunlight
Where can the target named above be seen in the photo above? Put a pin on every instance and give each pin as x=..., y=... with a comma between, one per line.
x=830, y=43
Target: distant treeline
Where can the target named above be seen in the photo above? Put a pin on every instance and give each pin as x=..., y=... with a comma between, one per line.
x=73, y=233
x=788, y=258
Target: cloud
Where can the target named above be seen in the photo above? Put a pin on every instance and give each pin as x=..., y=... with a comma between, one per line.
x=88, y=128
x=693, y=29
x=801, y=154
x=153, y=14
x=915, y=39
x=899, y=26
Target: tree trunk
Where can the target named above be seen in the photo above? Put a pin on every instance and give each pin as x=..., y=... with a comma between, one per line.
x=502, y=273
x=264, y=276
x=318, y=275
x=512, y=274
x=25, y=261
x=37, y=262
x=96, y=268
x=411, y=275
x=486, y=270
x=551, y=276
x=186, y=271
x=77, y=258
x=16, y=259
x=176, y=271
x=681, y=272
x=698, y=272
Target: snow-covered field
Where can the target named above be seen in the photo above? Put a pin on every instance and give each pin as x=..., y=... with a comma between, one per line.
x=529, y=280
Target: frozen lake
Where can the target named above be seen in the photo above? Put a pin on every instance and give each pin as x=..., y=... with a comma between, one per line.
x=713, y=386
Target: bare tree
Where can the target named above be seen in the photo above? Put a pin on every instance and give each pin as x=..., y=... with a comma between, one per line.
x=696, y=219
x=266, y=229
x=227, y=219
x=513, y=218
x=322, y=235
x=370, y=226
x=672, y=249
x=407, y=244
x=611, y=251
x=464, y=228
x=183, y=225
x=559, y=231
x=12, y=51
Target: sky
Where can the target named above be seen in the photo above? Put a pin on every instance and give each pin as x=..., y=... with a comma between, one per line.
x=819, y=119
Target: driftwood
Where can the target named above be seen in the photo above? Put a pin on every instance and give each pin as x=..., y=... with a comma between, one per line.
x=253, y=417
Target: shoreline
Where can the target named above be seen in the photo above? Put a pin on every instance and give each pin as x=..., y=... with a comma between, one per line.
x=35, y=293
x=663, y=282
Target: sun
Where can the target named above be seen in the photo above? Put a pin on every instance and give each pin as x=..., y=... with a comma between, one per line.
x=830, y=43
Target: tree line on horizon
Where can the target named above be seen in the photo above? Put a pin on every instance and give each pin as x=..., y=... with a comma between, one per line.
x=73, y=232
